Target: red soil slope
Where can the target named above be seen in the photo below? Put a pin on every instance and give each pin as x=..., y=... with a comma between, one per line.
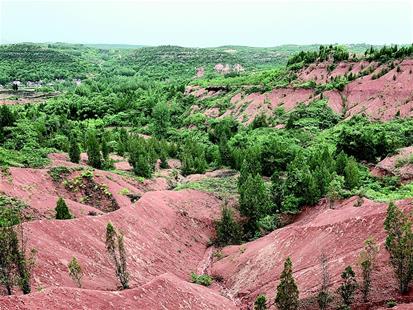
x=400, y=165
x=164, y=232
x=382, y=98
x=38, y=190
x=163, y=292
x=254, y=268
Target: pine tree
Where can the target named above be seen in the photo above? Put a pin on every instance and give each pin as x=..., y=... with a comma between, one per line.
x=341, y=163
x=227, y=229
x=254, y=201
x=348, y=287
x=334, y=190
x=260, y=302
x=116, y=250
x=62, y=211
x=324, y=298
x=74, y=150
x=367, y=261
x=93, y=150
x=399, y=244
x=15, y=266
x=287, y=291
x=351, y=174
x=75, y=271
x=250, y=165
x=161, y=116
x=104, y=148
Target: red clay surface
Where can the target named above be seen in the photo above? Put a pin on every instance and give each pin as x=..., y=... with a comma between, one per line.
x=163, y=292
x=254, y=268
x=381, y=99
x=397, y=165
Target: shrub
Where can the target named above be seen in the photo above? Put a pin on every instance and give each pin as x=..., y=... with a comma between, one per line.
x=202, y=279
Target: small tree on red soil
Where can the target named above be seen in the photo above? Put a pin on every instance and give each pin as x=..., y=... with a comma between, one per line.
x=15, y=265
x=347, y=288
x=324, y=298
x=116, y=250
x=227, y=229
x=287, y=291
x=75, y=271
x=399, y=244
x=62, y=211
x=367, y=261
x=260, y=303
x=74, y=150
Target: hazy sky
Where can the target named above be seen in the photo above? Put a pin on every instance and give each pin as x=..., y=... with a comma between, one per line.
x=207, y=23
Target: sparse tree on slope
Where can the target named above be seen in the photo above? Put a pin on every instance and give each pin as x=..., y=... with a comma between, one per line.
x=348, y=287
x=367, y=261
x=93, y=150
x=399, y=244
x=287, y=291
x=74, y=150
x=116, y=250
x=62, y=211
x=75, y=271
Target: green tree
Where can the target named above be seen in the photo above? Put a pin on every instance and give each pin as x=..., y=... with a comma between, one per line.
x=116, y=250
x=74, y=150
x=93, y=150
x=104, y=148
x=227, y=229
x=250, y=165
x=287, y=291
x=62, y=211
x=324, y=298
x=348, y=287
x=399, y=244
x=15, y=265
x=75, y=271
x=367, y=259
x=140, y=159
x=334, y=190
x=161, y=119
x=193, y=158
x=351, y=174
x=341, y=163
x=260, y=302
x=254, y=201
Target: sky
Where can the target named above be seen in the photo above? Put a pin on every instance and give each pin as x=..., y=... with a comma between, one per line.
x=207, y=23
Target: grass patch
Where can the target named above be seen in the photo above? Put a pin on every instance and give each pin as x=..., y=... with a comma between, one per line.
x=202, y=279
x=222, y=187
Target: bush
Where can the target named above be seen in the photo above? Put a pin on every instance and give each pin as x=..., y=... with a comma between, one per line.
x=202, y=279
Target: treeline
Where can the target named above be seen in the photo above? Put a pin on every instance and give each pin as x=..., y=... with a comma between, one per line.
x=387, y=53
x=335, y=53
